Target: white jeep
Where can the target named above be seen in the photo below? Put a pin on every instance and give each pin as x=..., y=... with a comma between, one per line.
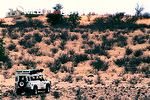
x=31, y=81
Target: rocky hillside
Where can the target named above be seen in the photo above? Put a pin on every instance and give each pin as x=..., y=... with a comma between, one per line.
x=82, y=63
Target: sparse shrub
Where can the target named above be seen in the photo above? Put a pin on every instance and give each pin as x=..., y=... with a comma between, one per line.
x=121, y=40
x=67, y=69
x=146, y=71
x=37, y=37
x=28, y=63
x=120, y=62
x=34, y=51
x=27, y=43
x=133, y=80
x=146, y=59
x=100, y=65
x=29, y=23
x=54, y=67
x=116, y=21
x=27, y=36
x=139, y=39
x=148, y=83
x=74, y=37
x=128, y=51
x=68, y=78
x=54, y=50
x=62, y=45
x=77, y=58
x=64, y=58
x=64, y=36
x=13, y=35
x=2, y=51
x=138, y=53
x=3, y=56
x=85, y=36
x=56, y=94
x=12, y=47
x=74, y=19
x=131, y=66
x=97, y=49
x=116, y=82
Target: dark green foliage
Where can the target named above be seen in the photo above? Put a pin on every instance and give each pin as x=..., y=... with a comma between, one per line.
x=54, y=19
x=3, y=57
x=64, y=58
x=54, y=50
x=64, y=36
x=138, y=53
x=34, y=51
x=37, y=37
x=120, y=62
x=128, y=51
x=146, y=59
x=2, y=51
x=133, y=80
x=13, y=35
x=54, y=67
x=116, y=21
x=29, y=41
x=29, y=23
x=77, y=58
x=12, y=47
x=139, y=39
x=85, y=36
x=97, y=49
x=100, y=65
x=62, y=45
x=28, y=63
x=146, y=15
x=130, y=64
x=68, y=78
x=74, y=19
x=74, y=37
x=56, y=94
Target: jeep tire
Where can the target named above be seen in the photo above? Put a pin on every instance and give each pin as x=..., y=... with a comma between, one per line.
x=19, y=91
x=47, y=90
x=35, y=90
x=21, y=84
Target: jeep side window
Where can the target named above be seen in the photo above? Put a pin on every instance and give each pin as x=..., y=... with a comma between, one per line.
x=22, y=78
x=28, y=78
x=41, y=78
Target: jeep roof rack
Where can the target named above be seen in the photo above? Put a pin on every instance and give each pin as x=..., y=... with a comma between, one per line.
x=31, y=71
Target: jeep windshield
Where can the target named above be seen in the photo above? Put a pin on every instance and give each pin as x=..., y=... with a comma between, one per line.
x=34, y=78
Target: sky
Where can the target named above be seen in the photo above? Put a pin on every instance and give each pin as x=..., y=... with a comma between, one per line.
x=82, y=6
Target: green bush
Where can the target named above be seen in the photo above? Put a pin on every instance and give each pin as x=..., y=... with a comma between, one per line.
x=37, y=37
x=128, y=51
x=74, y=20
x=54, y=19
x=77, y=58
x=100, y=65
x=29, y=23
x=34, y=51
x=28, y=63
x=3, y=56
x=97, y=49
x=12, y=47
x=138, y=53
